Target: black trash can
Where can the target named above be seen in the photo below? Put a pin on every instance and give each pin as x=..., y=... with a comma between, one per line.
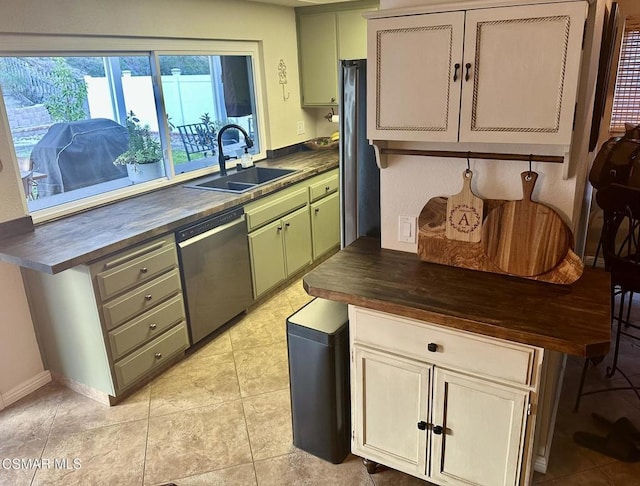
x=318, y=345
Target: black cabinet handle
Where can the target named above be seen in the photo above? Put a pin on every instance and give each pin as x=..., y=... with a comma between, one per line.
x=422, y=425
x=432, y=347
x=287, y=224
x=468, y=66
x=316, y=210
x=437, y=429
x=455, y=73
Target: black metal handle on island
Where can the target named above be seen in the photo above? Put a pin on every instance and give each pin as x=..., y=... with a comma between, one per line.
x=432, y=347
x=455, y=73
x=437, y=429
x=468, y=66
x=422, y=425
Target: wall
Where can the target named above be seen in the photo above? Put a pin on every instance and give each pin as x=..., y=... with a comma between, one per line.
x=272, y=26
x=409, y=182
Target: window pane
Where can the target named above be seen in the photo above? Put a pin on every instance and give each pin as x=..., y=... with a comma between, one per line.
x=68, y=120
x=626, y=99
x=202, y=94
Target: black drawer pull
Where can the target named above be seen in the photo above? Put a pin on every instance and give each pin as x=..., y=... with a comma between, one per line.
x=437, y=429
x=422, y=425
x=316, y=210
x=432, y=347
x=327, y=189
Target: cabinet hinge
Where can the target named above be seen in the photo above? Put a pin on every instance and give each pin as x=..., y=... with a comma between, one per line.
x=353, y=434
x=584, y=33
x=529, y=409
x=575, y=110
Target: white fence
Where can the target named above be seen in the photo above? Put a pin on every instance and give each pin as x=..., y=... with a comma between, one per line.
x=186, y=98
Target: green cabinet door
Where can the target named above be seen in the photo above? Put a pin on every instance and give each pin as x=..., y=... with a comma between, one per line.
x=325, y=222
x=267, y=257
x=297, y=239
x=318, y=58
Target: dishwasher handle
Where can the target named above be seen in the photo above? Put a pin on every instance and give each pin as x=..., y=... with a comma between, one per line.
x=212, y=232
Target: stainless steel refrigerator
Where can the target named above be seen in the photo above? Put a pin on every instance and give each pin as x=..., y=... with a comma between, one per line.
x=359, y=174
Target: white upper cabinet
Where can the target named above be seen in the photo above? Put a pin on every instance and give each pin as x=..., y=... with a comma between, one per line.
x=413, y=88
x=493, y=75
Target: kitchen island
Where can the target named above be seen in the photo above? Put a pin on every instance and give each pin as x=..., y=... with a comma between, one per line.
x=454, y=372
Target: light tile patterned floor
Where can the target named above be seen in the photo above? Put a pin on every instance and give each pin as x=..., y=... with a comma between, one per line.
x=222, y=417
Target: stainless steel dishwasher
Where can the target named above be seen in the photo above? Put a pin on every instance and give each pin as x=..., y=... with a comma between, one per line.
x=216, y=273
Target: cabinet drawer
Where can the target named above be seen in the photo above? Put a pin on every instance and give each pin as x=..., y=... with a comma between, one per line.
x=457, y=349
x=137, y=301
x=149, y=325
x=324, y=187
x=151, y=356
x=274, y=208
x=136, y=271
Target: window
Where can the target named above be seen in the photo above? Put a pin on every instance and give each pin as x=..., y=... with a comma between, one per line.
x=626, y=99
x=201, y=96
x=77, y=120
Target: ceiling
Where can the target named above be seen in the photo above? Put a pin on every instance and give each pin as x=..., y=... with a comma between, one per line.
x=301, y=3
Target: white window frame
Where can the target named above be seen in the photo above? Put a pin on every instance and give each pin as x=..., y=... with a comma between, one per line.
x=29, y=45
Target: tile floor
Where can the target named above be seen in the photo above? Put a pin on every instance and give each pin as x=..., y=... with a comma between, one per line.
x=222, y=417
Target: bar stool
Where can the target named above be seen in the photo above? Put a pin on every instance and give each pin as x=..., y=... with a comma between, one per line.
x=621, y=251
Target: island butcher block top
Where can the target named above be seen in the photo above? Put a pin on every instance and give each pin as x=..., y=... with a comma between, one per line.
x=573, y=319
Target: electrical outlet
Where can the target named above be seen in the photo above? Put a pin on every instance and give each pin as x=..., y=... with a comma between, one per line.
x=407, y=229
x=300, y=127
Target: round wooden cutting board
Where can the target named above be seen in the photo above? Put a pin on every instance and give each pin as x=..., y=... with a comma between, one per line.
x=524, y=237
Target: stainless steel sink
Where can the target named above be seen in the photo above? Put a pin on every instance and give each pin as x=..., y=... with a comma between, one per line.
x=241, y=181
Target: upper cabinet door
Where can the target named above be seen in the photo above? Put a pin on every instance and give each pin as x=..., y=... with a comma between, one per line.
x=352, y=34
x=413, y=79
x=319, y=66
x=523, y=66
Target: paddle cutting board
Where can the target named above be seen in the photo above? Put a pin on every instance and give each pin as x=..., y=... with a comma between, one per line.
x=525, y=237
x=434, y=247
x=464, y=213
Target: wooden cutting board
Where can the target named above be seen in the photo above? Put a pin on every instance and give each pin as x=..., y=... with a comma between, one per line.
x=524, y=237
x=464, y=213
x=434, y=247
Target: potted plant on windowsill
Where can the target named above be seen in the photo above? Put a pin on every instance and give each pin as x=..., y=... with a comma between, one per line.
x=143, y=158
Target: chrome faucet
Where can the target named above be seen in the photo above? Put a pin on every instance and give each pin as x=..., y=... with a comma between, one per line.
x=221, y=156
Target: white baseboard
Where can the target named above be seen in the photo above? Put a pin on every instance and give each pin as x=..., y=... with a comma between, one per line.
x=26, y=387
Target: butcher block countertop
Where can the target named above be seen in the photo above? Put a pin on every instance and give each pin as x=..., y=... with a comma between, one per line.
x=78, y=239
x=570, y=319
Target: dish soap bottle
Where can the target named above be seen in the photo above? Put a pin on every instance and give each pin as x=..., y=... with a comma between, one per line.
x=246, y=160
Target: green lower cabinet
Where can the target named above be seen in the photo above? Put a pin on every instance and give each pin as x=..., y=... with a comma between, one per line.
x=297, y=240
x=325, y=223
x=267, y=257
x=280, y=249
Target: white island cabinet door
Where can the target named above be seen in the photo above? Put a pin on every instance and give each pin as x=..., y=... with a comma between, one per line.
x=523, y=66
x=482, y=430
x=390, y=396
x=412, y=65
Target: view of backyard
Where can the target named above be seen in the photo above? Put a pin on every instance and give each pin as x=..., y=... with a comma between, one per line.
x=67, y=116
